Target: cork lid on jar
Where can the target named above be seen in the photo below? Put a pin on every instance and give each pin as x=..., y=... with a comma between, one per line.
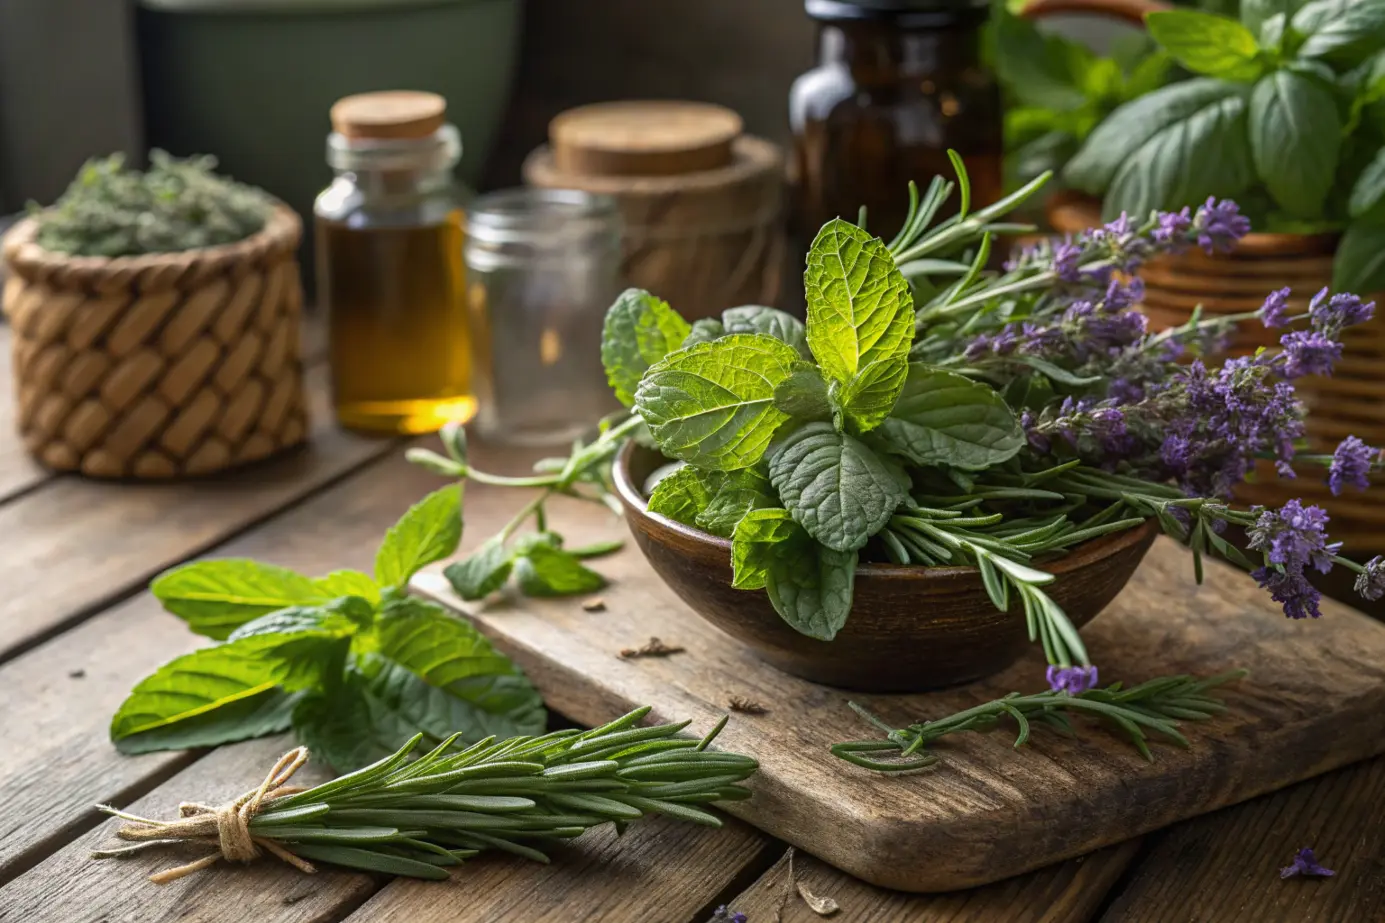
x=643, y=138
x=392, y=114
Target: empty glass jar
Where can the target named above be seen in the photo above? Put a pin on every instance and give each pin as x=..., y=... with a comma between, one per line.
x=542, y=268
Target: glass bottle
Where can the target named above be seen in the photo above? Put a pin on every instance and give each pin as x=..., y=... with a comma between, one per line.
x=543, y=268
x=390, y=275
x=897, y=83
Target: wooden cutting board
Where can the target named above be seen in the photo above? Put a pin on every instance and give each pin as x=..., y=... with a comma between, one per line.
x=1315, y=700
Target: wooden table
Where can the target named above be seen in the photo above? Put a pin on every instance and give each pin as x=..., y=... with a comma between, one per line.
x=78, y=628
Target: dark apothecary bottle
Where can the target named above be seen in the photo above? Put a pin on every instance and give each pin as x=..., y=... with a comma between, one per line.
x=897, y=83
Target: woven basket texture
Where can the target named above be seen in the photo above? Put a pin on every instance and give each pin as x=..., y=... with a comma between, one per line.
x=162, y=365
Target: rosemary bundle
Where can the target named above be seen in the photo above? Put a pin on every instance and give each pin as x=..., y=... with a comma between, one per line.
x=1156, y=706
x=416, y=817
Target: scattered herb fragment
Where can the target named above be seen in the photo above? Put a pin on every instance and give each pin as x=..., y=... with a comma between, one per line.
x=350, y=662
x=417, y=817
x=746, y=706
x=76, y=674
x=1305, y=864
x=655, y=648
x=724, y=914
x=822, y=906
x=1156, y=706
x=595, y=604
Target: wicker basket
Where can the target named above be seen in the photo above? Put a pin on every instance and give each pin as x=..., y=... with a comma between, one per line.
x=1351, y=402
x=162, y=365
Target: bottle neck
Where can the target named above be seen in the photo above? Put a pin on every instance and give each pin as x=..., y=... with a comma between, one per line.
x=884, y=51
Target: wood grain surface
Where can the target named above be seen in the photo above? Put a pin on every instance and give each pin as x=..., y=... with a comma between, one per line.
x=986, y=813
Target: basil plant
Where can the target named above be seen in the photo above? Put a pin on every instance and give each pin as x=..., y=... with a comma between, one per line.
x=1286, y=114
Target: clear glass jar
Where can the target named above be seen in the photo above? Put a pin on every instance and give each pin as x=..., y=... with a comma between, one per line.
x=390, y=276
x=897, y=83
x=543, y=267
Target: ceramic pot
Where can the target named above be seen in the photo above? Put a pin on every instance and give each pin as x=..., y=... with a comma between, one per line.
x=911, y=628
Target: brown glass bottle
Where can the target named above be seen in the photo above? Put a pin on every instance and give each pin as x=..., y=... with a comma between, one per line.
x=897, y=83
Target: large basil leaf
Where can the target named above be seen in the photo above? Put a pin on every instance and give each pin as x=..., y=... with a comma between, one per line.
x=943, y=418
x=682, y=495
x=835, y=486
x=1368, y=195
x=1344, y=32
x=482, y=572
x=1295, y=139
x=803, y=395
x=860, y=319
x=1039, y=69
x=1207, y=44
x=217, y=597
x=1360, y=262
x=1255, y=13
x=486, y=693
x=428, y=532
x=754, y=318
x=736, y=493
x=1115, y=141
x=639, y=331
x=1203, y=155
x=712, y=405
x=231, y=691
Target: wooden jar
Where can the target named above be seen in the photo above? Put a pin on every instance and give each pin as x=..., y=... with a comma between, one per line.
x=159, y=365
x=1350, y=402
x=700, y=201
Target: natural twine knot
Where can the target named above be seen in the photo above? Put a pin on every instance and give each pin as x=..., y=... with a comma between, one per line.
x=226, y=826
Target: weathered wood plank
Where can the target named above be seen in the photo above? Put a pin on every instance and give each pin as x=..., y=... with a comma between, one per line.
x=59, y=761
x=70, y=887
x=657, y=870
x=987, y=812
x=1069, y=892
x=1224, y=867
x=75, y=544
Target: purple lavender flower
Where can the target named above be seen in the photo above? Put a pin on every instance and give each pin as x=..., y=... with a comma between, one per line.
x=1371, y=584
x=1173, y=227
x=730, y=916
x=1122, y=295
x=1275, y=311
x=1305, y=863
x=1072, y=680
x=1292, y=591
x=1219, y=225
x=1351, y=464
x=1293, y=536
x=1037, y=440
x=1343, y=310
x=1308, y=352
x=1065, y=258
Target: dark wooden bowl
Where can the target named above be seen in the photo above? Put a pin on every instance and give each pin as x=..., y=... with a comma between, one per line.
x=911, y=628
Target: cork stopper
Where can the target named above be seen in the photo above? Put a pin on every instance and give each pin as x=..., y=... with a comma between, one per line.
x=389, y=114
x=643, y=138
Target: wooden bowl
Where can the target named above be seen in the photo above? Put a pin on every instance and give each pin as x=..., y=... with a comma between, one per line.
x=911, y=628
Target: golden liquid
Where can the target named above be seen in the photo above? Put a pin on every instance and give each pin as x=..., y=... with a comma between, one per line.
x=395, y=299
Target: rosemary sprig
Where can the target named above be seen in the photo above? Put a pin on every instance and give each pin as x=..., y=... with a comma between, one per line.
x=1154, y=707
x=416, y=817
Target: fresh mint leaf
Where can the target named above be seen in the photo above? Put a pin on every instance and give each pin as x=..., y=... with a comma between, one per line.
x=1368, y=194
x=349, y=583
x=428, y=532
x=548, y=571
x=835, y=486
x=351, y=728
x=736, y=493
x=217, y=597
x=230, y=691
x=1342, y=32
x=754, y=318
x=712, y=405
x=1360, y=262
x=1295, y=140
x=803, y=395
x=639, y=331
x=860, y=319
x=482, y=572
x=682, y=495
x=1114, y=142
x=947, y=419
x=338, y=618
x=1255, y=13
x=755, y=541
x=597, y=549
x=1207, y=44
x=703, y=331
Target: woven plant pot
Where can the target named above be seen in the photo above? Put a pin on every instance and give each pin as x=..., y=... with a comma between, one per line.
x=1351, y=402
x=162, y=365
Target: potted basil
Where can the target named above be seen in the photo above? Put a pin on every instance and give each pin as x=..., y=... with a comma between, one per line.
x=1286, y=112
